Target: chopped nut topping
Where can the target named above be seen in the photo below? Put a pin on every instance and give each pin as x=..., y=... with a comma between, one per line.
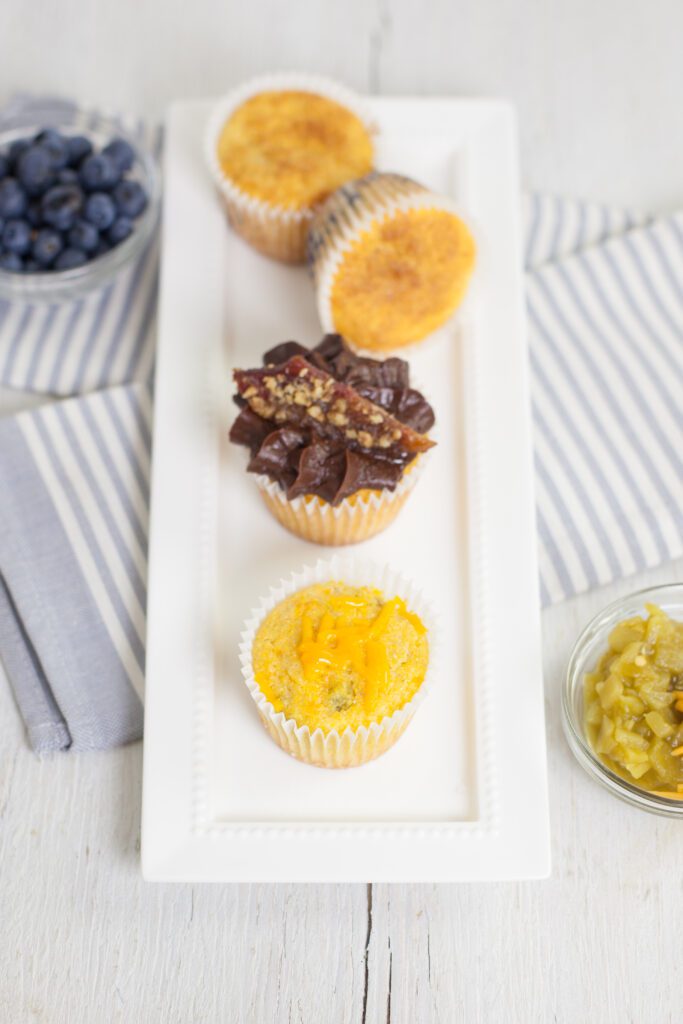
x=288, y=395
x=329, y=423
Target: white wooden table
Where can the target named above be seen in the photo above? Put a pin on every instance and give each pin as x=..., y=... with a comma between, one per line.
x=82, y=938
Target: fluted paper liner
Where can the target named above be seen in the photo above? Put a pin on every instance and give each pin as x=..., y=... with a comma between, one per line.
x=341, y=220
x=274, y=230
x=355, y=519
x=353, y=746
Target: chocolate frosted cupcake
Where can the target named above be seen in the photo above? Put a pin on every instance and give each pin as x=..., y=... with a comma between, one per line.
x=336, y=440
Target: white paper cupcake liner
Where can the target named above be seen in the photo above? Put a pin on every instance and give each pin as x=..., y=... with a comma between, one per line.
x=345, y=215
x=274, y=230
x=352, y=747
x=353, y=520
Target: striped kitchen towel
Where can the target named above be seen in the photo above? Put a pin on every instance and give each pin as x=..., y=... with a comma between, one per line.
x=605, y=316
x=103, y=339
x=605, y=303
x=74, y=480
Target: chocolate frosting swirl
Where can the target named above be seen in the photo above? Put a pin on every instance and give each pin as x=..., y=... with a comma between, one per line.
x=300, y=458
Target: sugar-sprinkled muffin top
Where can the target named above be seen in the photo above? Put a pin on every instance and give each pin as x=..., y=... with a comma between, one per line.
x=402, y=278
x=293, y=148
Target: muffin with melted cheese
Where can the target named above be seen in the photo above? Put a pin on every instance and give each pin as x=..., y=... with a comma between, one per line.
x=391, y=262
x=335, y=670
x=277, y=149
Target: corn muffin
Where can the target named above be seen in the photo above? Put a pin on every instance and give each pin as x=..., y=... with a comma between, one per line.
x=336, y=441
x=342, y=664
x=278, y=148
x=391, y=262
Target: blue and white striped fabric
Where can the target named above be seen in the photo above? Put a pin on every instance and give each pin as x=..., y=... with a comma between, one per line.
x=605, y=301
x=104, y=339
x=74, y=479
x=605, y=309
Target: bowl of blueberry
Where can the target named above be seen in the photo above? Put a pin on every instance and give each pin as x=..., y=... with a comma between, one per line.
x=76, y=205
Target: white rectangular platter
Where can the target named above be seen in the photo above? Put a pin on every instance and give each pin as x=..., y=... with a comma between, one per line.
x=462, y=796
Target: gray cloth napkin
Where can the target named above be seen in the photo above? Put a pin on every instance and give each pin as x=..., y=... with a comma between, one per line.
x=74, y=487
x=605, y=302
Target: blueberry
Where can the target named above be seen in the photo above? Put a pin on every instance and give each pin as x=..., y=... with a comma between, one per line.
x=103, y=247
x=61, y=206
x=16, y=236
x=119, y=230
x=46, y=247
x=12, y=198
x=18, y=147
x=67, y=176
x=83, y=236
x=34, y=213
x=78, y=147
x=10, y=261
x=32, y=267
x=55, y=144
x=70, y=258
x=4, y=166
x=35, y=170
x=121, y=152
x=98, y=172
x=100, y=210
x=130, y=198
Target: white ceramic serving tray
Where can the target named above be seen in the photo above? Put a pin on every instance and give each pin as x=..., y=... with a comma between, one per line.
x=462, y=796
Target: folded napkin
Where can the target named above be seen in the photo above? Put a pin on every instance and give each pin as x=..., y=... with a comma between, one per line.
x=605, y=315
x=605, y=304
x=103, y=339
x=74, y=480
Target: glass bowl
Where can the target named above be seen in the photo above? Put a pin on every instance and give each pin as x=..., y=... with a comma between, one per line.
x=587, y=650
x=62, y=285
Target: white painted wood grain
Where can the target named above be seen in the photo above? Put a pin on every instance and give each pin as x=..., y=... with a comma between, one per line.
x=82, y=938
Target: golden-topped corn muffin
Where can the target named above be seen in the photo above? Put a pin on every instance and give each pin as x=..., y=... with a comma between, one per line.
x=278, y=149
x=336, y=669
x=391, y=261
x=332, y=656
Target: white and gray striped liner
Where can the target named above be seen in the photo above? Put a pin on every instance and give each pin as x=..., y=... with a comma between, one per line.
x=107, y=337
x=606, y=333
